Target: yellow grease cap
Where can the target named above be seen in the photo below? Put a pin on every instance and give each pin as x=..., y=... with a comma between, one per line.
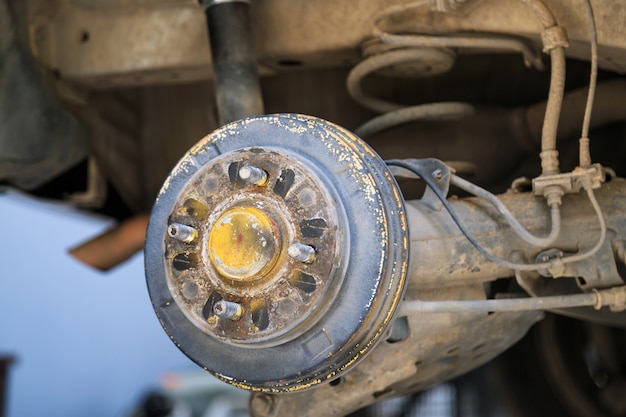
x=242, y=243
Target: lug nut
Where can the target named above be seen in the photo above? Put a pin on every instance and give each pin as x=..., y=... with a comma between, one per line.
x=302, y=253
x=253, y=175
x=228, y=310
x=182, y=232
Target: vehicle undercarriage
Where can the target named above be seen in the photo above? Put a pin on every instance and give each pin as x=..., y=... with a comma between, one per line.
x=350, y=201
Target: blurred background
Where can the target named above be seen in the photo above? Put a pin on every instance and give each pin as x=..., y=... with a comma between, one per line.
x=84, y=343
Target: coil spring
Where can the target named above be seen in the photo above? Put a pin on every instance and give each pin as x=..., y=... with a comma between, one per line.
x=419, y=55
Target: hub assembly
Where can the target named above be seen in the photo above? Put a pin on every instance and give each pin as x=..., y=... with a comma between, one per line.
x=277, y=252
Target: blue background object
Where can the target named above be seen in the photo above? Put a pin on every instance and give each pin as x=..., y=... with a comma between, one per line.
x=87, y=343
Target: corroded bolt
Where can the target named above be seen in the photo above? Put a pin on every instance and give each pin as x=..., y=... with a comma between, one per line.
x=302, y=253
x=228, y=310
x=253, y=175
x=182, y=232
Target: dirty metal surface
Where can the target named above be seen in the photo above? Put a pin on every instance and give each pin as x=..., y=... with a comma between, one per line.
x=357, y=277
x=240, y=253
x=435, y=348
x=88, y=41
x=441, y=255
x=432, y=348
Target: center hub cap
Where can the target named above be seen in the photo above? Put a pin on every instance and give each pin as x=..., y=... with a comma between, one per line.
x=242, y=243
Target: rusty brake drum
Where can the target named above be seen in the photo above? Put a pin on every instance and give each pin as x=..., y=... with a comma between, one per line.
x=277, y=252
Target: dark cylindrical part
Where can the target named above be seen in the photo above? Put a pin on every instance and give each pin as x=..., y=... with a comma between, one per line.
x=5, y=363
x=237, y=86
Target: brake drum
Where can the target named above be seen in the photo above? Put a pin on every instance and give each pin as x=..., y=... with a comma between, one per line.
x=277, y=252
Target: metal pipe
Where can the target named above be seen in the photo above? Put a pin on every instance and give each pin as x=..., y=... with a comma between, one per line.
x=539, y=241
x=554, y=42
x=549, y=153
x=510, y=305
x=237, y=85
x=613, y=297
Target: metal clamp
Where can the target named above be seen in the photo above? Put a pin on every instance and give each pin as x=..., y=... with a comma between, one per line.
x=571, y=182
x=439, y=172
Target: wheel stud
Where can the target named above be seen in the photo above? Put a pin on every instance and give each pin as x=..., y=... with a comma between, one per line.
x=302, y=253
x=228, y=310
x=182, y=232
x=253, y=175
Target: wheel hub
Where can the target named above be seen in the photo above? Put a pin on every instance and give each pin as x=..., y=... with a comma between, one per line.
x=241, y=253
x=277, y=252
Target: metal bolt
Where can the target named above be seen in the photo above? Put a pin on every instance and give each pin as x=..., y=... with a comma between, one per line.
x=302, y=253
x=182, y=232
x=253, y=175
x=437, y=174
x=228, y=310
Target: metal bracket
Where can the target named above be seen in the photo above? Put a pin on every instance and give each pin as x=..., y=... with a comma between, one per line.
x=558, y=268
x=438, y=171
x=570, y=182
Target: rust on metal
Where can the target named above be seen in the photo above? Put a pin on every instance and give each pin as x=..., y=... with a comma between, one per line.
x=240, y=253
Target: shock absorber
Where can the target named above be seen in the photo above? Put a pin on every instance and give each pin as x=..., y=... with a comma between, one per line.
x=237, y=85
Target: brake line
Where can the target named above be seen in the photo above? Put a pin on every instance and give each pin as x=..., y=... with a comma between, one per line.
x=615, y=298
x=507, y=264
